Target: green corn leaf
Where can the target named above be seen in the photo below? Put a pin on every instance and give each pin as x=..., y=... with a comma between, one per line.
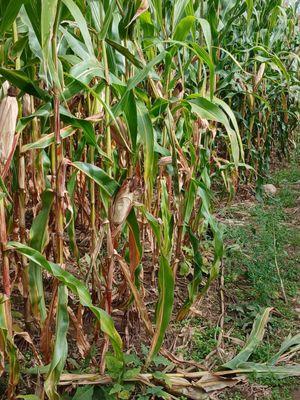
x=82, y=25
x=107, y=20
x=108, y=184
x=76, y=46
x=87, y=70
x=10, y=14
x=109, y=112
x=279, y=372
x=206, y=32
x=189, y=202
x=43, y=111
x=130, y=111
x=166, y=216
x=48, y=14
x=78, y=288
x=33, y=12
x=141, y=75
x=250, y=6
x=71, y=215
x=208, y=110
x=231, y=115
x=184, y=27
x=49, y=11
x=145, y=131
x=39, y=237
x=125, y=52
x=134, y=228
x=60, y=346
x=178, y=11
x=86, y=126
x=7, y=346
x=253, y=341
x=289, y=343
x=24, y=83
x=202, y=54
x=158, y=8
x=164, y=306
x=46, y=140
x=154, y=223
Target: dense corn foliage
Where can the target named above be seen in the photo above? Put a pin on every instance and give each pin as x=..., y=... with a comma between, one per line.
x=117, y=118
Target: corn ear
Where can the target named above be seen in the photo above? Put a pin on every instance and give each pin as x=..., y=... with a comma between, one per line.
x=8, y=120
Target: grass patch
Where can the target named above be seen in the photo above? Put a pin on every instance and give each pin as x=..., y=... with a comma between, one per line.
x=204, y=342
x=267, y=231
x=263, y=230
x=257, y=236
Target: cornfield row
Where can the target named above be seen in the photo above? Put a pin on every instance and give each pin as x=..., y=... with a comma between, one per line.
x=117, y=120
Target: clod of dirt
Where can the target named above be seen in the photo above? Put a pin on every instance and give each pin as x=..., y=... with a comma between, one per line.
x=269, y=189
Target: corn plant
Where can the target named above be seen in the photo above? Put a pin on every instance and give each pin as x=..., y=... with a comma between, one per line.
x=117, y=120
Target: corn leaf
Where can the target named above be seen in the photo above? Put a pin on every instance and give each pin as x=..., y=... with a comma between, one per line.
x=253, y=341
x=24, y=83
x=145, y=131
x=78, y=288
x=60, y=346
x=164, y=306
x=108, y=184
x=10, y=14
x=38, y=240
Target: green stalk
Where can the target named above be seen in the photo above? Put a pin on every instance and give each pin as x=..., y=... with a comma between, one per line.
x=107, y=97
x=21, y=200
x=60, y=175
x=3, y=241
x=110, y=259
x=60, y=350
x=92, y=185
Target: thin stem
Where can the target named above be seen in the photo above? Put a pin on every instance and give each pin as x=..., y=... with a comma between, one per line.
x=60, y=175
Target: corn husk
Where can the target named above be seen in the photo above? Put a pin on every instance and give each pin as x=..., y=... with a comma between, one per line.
x=203, y=123
x=4, y=89
x=122, y=205
x=260, y=73
x=8, y=120
x=26, y=105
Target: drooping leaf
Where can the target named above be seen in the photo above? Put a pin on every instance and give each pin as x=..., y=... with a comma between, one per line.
x=60, y=352
x=78, y=288
x=24, y=83
x=208, y=110
x=164, y=306
x=108, y=184
x=253, y=341
x=38, y=239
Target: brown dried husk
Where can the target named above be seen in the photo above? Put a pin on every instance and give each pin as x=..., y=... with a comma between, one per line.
x=26, y=105
x=8, y=120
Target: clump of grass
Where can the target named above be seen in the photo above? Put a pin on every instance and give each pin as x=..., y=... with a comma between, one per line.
x=281, y=389
x=204, y=342
x=252, y=258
